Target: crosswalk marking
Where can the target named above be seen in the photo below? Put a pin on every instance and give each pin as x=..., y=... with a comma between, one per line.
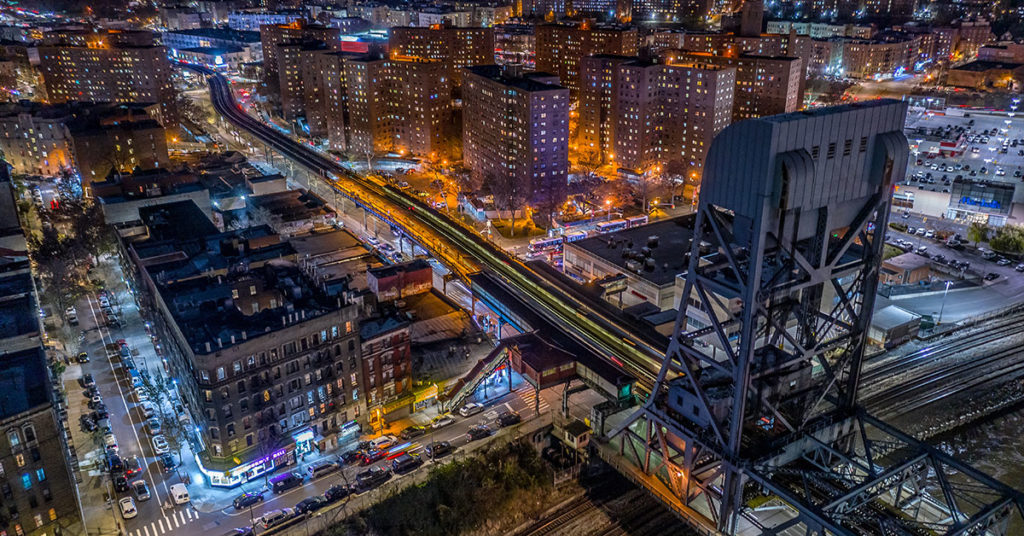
x=162, y=525
x=529, y=397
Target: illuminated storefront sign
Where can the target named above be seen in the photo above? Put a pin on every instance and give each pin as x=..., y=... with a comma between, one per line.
x=244, y=472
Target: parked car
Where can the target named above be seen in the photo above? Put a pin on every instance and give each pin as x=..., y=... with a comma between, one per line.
x=120, y=483
x=405, y=463
x=88, y=381
x=141, y=490
x=371, y=478
x=336, y=492
x=247, y=499
x=384, y=442
x=412, y=431
x=127, y=506
x=110, y=442
x=478, y=432
x=114, y=463
x=439, y=449
x=991, y=276
x=471, y=409
x=508, y=418
x=160, y=445
x=83, y=357
x=285, y=482
x=148, y=410
x=1003, y=261
x=274, y=518
x=310, y=504
x=351, y=456
x=442, y=421
x=321, y=468
x=167, y=462
x=153, y=426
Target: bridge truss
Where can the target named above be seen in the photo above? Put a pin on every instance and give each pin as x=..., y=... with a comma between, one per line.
x=753, y=423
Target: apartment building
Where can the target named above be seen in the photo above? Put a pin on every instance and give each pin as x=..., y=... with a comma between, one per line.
x=668, y=114
x=90, y=138
x=284, y=46
x=387, y=364
x=595, y=132
x=109, y=67
x=366, y=104
x=267, y=359
x=561, y=47
x=454, y=48
x=516, y=128
x=765, y=85
x=36, y=461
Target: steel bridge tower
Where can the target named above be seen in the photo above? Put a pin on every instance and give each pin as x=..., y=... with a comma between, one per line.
x=756, y=402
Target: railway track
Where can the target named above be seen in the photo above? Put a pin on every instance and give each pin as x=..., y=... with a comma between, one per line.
x=943, y=382
x=572, y=511
x=1007, y=326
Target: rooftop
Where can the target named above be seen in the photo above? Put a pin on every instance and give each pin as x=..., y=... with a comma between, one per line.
x=19, y=314
x=667, y=250
x=526, y=82
x=222, y=33
x=215, y=312
x=179, y=220
x=907, y=262
x=393, y=269
x=981, y=66
x=892, y=316
x=375, y=327
x=24, y=382
x=214, y=51
x=290, y=205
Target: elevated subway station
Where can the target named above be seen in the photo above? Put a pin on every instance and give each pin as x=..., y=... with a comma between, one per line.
x=544, y=356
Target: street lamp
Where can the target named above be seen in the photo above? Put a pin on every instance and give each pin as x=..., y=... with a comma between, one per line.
x=608, y=208
x=943, y=306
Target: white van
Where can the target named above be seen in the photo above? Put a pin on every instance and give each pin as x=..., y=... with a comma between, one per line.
x=179, y=493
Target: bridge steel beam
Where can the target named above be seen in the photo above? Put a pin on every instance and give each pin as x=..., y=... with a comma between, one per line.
x=781, y=284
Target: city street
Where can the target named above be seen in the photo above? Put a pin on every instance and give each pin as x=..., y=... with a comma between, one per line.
x=210, y=508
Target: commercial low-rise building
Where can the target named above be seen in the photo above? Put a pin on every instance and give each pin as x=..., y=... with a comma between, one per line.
x=397, y=281
x=649, y=256
x=905, y=269
x=984, y=75
x=248, y=41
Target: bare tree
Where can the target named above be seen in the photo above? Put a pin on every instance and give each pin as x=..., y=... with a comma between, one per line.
x=509, y=194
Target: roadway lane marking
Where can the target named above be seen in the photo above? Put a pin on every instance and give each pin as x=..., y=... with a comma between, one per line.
x=174, y=516
x=161, y=523
x=189, y=514
x=117, y=383
x=508, y=407
x=146, y=530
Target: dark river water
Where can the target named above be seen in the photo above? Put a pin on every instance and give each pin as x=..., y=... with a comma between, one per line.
x=997, y=448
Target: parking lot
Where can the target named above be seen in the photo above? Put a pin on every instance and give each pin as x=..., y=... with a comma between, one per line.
x=993, y=151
